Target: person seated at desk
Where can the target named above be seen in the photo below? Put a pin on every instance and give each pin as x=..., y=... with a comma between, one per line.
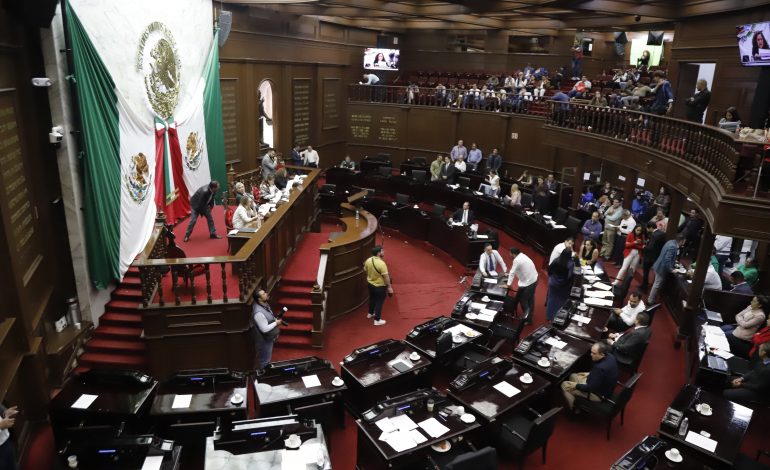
x=515, y=197
x=435, y=168
x=281, y=178
x=464, y=215
x=525, y=179
x=755, y=385
x=240, y=191
x=750, y=272
x=268, y=190
x=245, y=213
x=491, y=185
x=589, y=254
x=623, y=318
x=551, y=184
x=628, y=347
x=712, y=280
x=747, y=323
x=348, y=164
x=489, y=260
x=460, y=164
x=448, y=171
x=592, y=228
x=523, y=267
x=740, y=286
x=594, y=385
x=760, y=337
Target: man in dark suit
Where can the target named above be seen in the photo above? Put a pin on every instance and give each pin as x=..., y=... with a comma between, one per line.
x=690, y=229
x=201, y=203
x=448, y=171
x=494, y=161
x=755, y=385
x=740, y=286
x=7, y=449
x=594, y=385
x=664, y=266
x=464, y=215
x=629, y=346
x=697, y=103
x=655, y=240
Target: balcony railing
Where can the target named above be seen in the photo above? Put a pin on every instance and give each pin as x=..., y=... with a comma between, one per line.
x=449, y=98
x=707, y=148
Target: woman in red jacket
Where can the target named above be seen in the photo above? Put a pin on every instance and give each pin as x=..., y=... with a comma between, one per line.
x=763, y=334
x=632, y=253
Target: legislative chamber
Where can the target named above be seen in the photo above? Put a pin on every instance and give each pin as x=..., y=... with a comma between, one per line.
x=368, y=235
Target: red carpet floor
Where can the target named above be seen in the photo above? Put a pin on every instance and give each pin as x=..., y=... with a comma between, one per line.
x=426, y=285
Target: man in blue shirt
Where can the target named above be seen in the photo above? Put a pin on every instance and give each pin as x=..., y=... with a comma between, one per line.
x=592, y=228
x=458, y=151
x=594, y=385
x=664, y=266
x=474, y=156
x=663, y=97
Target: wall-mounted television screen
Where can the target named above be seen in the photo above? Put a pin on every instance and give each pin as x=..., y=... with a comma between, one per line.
x=381, y=59
x=753, y=45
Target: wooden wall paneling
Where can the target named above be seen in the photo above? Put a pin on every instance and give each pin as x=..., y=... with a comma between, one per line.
x=485, y=129
x=523, y=148
x=431, y=130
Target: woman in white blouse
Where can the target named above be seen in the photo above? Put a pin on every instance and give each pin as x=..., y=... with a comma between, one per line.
x=747, y=322
x=268, y=189
x=515, y=197
x=245, y=213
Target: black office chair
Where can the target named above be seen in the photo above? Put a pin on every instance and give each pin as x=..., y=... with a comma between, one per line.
x=419, y=176
x=560, y=216
x=631, y=368
x=385, y=171
x=744, y=462
x=438, y=210
x=443, y=343
x=475, y=354
x=526, y=200
x=573, y=226
x=484, y=459
x=503, y=329
x=524, y=434
x=402, y=198
x=328, y=188
x=464, y=181
x=621, y=290
x=610, y=407
x=420, y=161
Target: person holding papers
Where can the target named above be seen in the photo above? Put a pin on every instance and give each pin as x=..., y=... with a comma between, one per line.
x=523, y=267
x=623, y=318
x=465, y=215
x=747, y=322
x=755, y=385
x=489, y=261
x=628, y=347
x=594, y=385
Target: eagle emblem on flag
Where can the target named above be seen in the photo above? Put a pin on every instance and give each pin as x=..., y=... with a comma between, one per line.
x=193, y=151
x=138, y=178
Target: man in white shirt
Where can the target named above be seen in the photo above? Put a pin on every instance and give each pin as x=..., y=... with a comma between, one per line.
x=712, y=281
x=523, y=268
x=310, y=157
x=7, y=449
x=569, y=242
x=625, y=226
x=623, y=318
x=722, y=247
x=370, y=79
x=460, y=164
x=489, y=260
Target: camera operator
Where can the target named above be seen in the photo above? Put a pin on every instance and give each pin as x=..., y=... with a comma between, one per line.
x=267, y=327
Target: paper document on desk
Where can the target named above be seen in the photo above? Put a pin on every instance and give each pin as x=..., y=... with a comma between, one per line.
x=84, y=401
x=507, y=389
x=433, y=427
x=485, y=317
x=417, y=436
x=597, y=302
x=478, y=193
x=457, y=224
x=528, y=212
x=715, y=337
x=386, y=425
x=598, y=293
x=310, y=451
x=555, y=342
x=602, y=286
x=722, y=353
x=701, y=441
x=182, y=401
x=292, y=459
x=588, y=270
x=590, y=278
x=559, y=226
x=482, y=237
x=403, y=423
x=311, y=381
x=152, y=462
x=401, y=441
x=478, y=305
x=581, y=319
x=490, y=280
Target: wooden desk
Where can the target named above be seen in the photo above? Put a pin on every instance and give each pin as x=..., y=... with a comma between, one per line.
x=491, y=404
x=371, y=380
x=284, y=393
x=424, y=338
x=727, y=425
x=374, y=454
x=125, y=453
x=468, y=312
x=267, y=459
x=587, y=331
x=496, y=290
x=655, y=449
x=209, y=403
x=563, y=360
x=342, y=260
x=115, y=402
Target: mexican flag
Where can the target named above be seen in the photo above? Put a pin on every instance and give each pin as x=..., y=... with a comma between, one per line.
x=139, y=161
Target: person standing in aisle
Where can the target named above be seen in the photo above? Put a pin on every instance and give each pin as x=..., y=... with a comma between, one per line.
x=378, y=281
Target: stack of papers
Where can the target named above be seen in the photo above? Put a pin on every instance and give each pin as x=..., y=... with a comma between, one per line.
x=598, y=302
x=588, y=270
x=486, y=317
x=602, y=286
x=581, y=319
x=482, y=237
x=555, y=342
x=491, y=280
x=715, y=337
x=598, y=293
x=478, y=305
x=559, y=226
x=400, y=432
x=507, y=389
x=701, y=441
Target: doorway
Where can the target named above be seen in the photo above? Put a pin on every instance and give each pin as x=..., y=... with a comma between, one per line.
x=688, y=76
x=266, y=128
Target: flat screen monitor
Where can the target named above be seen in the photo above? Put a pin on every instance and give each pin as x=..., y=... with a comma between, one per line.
x=638, y=46
x=753, y=47
x=381, y=59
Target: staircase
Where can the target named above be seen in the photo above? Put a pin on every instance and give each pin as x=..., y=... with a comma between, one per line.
x=294, y=294
x=117, y=342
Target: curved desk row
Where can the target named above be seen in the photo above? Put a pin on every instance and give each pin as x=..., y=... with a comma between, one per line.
x=530, y=229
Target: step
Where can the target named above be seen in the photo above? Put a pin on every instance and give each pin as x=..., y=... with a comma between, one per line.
x=131, y=282
x=293, y=290
x=128, y=293
x=297, y=282
x=131, y=320
x=112, y=346
x=297, y=329
x=93, y=359
x=292, y=301
x=122, y=305
x=294, y=342
x=116, y=332
x=298, y=316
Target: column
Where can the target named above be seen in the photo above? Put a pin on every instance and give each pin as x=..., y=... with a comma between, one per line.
x=694, y=296
x=580, y=166
x=675, y=210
